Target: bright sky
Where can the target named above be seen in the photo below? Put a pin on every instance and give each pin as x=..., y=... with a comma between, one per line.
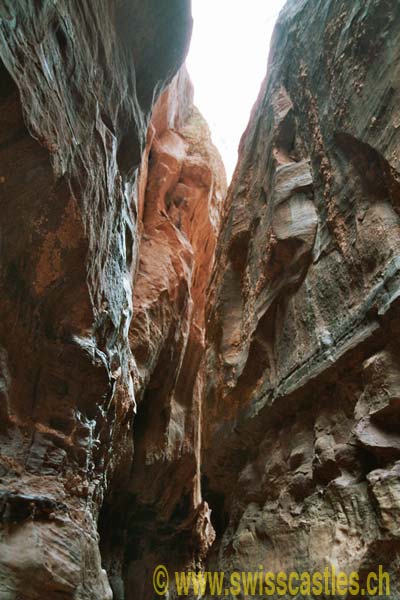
x=227, y=62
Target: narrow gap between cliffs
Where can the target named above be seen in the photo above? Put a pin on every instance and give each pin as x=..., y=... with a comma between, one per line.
x=227, y=62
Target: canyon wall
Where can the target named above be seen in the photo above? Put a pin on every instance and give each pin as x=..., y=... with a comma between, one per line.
x=188, y=377
x=301, y=440
x=157, y=513
x=78, y=84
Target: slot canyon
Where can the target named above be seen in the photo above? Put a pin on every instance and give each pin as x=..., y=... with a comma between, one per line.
x=192, y=374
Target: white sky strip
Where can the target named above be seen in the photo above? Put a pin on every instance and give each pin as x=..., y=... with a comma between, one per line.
x=227, y=63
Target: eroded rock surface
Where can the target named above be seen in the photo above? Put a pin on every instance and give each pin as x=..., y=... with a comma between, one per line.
x=78, y=81
x=168, y=396
x=301, y=440
x=182, y=188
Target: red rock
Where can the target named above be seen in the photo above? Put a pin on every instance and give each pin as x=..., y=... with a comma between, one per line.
x=188, y=379
x=77, y=87
x=182, y=207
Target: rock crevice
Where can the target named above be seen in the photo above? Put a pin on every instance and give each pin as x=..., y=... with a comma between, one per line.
x=188, y=376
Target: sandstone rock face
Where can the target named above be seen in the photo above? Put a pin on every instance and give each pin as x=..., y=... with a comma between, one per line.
x=301, y=439
x=78, y=80
x=158, y=514
x=188, y=379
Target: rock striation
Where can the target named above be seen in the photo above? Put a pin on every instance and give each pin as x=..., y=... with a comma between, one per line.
x=78, y=83
x=188, y=376
x=301, y=439
x=158, y=514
